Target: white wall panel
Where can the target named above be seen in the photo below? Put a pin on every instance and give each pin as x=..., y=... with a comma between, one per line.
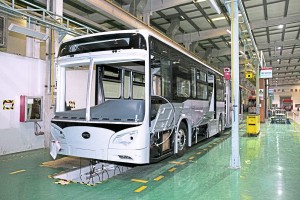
x=294, y=94
x=19, y=76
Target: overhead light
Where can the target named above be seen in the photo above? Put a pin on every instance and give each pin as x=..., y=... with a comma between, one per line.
x=223, y=17
x=280, y=26
x=277, y=68
x=278, y=48
x=278, y=60
x=218, y=18
x=198, y=1
x=228, y=31
x=182, y=17
x=28, y=32
x=213, y=4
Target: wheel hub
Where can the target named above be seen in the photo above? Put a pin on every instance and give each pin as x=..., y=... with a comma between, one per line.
x=181, y=139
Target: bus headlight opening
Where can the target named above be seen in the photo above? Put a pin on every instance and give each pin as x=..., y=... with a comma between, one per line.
x=125, y=138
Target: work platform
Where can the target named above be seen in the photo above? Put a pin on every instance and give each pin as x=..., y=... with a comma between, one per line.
x=269, y=170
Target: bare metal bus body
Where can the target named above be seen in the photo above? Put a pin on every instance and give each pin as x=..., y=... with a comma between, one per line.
x=136, y=98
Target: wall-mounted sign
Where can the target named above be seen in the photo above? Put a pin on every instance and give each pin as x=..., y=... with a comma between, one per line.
x=265, y=73
x=72, y=104
x=261, y=93
x=8, y=104
x=271, y=92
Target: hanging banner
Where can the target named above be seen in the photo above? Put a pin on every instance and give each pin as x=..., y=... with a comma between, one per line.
x=8, y=104
x=265, y=73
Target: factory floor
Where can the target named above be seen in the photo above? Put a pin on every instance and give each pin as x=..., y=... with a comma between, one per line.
x=270, y=169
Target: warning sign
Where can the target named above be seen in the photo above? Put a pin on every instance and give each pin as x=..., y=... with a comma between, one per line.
x=8, y=104
x=72, y=104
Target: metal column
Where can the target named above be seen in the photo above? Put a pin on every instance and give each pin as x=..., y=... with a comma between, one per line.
x=227, y=107
x=235, y=154
x=257, y=88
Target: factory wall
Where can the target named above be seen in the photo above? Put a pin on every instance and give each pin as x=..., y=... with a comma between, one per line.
x=287, y=91
x=19, y=76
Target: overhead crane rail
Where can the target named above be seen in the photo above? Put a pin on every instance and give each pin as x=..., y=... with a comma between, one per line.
x=34, y=14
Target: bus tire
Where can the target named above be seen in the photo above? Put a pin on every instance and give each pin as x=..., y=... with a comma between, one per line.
x=220, y=127
x=182, y=140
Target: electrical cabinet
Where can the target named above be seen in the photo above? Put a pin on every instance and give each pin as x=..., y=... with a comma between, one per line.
x=31, y=108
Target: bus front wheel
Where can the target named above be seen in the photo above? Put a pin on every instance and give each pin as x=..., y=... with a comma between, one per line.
x=181, y=140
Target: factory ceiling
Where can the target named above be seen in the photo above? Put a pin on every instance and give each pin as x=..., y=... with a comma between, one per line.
x=195, y=24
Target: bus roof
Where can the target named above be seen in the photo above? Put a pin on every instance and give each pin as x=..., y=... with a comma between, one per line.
x=162, y=38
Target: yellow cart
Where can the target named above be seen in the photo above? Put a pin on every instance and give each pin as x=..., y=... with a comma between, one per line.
x=253, y=124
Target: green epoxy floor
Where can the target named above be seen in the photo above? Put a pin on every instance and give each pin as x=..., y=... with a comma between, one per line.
x=270, y=169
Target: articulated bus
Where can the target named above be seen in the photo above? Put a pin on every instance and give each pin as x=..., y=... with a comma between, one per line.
x=137, y=97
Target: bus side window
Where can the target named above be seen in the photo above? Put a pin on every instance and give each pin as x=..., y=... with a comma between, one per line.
x=202, y=88
x=194, y=83
x=166, y=77
x=156, y=85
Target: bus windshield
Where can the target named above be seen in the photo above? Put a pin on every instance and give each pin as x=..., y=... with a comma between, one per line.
x=121, y=80
x=103, y=43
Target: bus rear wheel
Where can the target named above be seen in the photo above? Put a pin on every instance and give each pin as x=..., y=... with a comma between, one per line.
x=181, y=140
x=220, y=126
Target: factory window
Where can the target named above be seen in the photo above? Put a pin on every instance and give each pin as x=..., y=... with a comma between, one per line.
x=2, y=31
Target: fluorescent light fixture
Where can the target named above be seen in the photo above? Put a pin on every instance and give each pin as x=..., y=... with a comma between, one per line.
x=182, y=17
x=213, y=4
x=218, y=18
x=28, y=32
x=242, y=52
x=198, y=1
x=278, y=60
x=228, y=31
x=223, y=17
x=278, y=47
x=280, y=26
